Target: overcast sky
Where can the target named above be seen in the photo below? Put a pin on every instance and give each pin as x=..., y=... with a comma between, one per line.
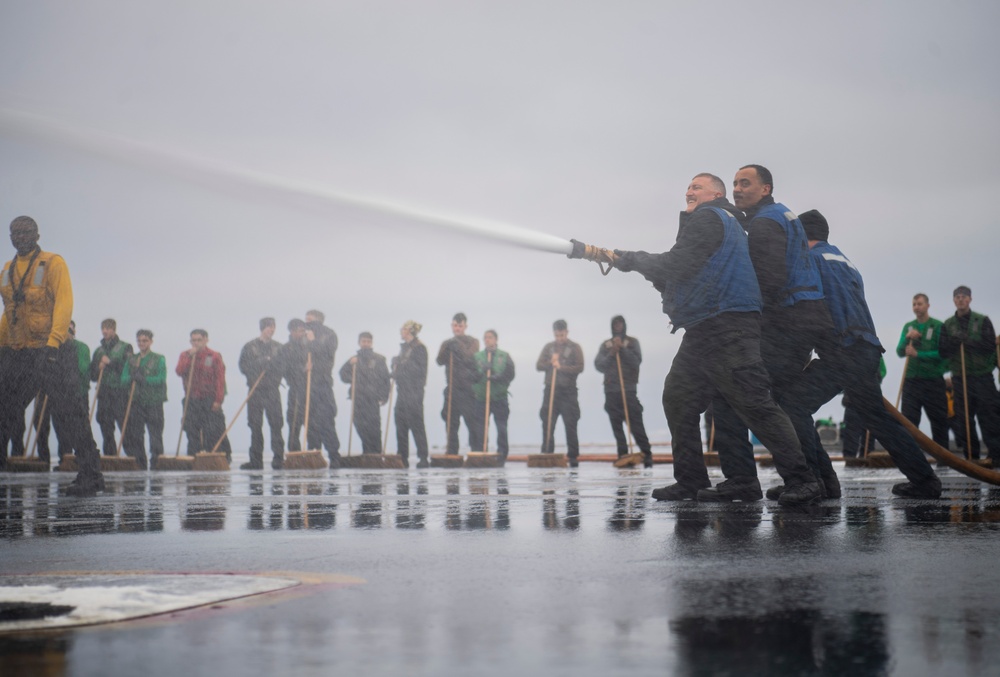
x=576, y=119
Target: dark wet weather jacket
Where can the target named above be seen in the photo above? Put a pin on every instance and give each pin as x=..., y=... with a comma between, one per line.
x=844, y=290
x=258, y=357
x=370, y=380
x=118, y=352
x=708, y=270
x=631, y=358
x=409, y=369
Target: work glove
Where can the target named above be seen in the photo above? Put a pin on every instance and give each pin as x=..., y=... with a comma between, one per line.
x=578, y=250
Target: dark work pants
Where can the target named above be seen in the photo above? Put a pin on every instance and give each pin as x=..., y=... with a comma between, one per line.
x=984, y=405
x=722, y=355
x=854, y=371
x=368, y=423
x=464, y=407
x=929, y=394
x=566, y=404
x=295, y=413
x=410, y=419
x=500, y=411
x=204, y=427
x=265, y=402
x=23, y=373
x=322, y=431
x=855, y=435
x=110, y=413
x=143, y=418
x=616, y=414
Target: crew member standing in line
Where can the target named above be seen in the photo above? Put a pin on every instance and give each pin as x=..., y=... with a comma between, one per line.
x=794, y=322
x=112, y=355
x=38, y=305
x=969, y=332
x=149, y=371
x=261, y=356
x=456, y=356
x=321, y=344
x=709, y=289
x=923, y=383
x=369, y=375
x=292, y=360
x=49, y=422
x=205, y=422
x=852, y=368
x=496, y=367
x=562, y=359
x=624, y=350
x=409, y=370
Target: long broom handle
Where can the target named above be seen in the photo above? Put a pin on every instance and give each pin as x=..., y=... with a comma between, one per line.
x=388, y=419
x=187, y=399
x=965, y=405
x=621, y=383
x=902, y=382
x=711, y=435
x=451, y=371
x=309, y=373
x=34, y=416
x=238, y=412
x=486, y=423
x=354, y=398
x=41, y=415
x=93, y=405
x=552, y=399
x=128, y=410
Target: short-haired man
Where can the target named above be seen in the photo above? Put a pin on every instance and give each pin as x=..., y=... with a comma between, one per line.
x=149, y=372
x=923, y=382
x=293, y=370
x=851, y=366
x=106, y=366
x=618, y=359
x=709, y=289
x=204, y=369
x=321, y=345
x=259, y=359
x=562, y=361
x=456, y=356
x=37, y=308
x=368, y=376
x=969, y=337
x=496, y=368
x=409, y=370
x=794, y=321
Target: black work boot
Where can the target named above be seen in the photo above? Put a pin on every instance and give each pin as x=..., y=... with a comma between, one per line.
x=928, y=489
x=86, y=485
x=801, y=494
x=734, y=489
x=774, y=492
x=676, y=492
x=647, y=459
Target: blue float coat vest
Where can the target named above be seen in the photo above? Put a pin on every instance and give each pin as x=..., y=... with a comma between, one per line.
x=803, y=282
x=726, y=283
x=845, y=295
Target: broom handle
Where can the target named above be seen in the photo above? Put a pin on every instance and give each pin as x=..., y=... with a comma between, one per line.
x=93, y=406
x=486, y=423
x=899, y=397
x=868, y=438
x=965, y=405
x=238, y=412
x=711, y=435
x=350, y=425
x=309, y=374
x=451, y=370
x=184, y=413
x=34, y=413
x=128, y=410
x=41, y=415
x=388, y=419
x=621, y=383
x=552, y=399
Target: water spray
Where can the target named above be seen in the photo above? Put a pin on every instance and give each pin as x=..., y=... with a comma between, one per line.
x=158, y=158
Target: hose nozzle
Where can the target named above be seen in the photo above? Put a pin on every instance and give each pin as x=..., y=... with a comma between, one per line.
x=605, y=258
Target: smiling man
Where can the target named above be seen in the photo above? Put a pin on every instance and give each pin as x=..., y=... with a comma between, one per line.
x=709, y=290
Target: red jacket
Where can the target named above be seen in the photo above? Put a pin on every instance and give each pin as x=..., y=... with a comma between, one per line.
x=209, y=378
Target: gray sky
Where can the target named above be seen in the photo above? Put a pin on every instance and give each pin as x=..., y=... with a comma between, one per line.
x=577, y=119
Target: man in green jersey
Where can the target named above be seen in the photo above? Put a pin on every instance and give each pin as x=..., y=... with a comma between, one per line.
x=148, y=370
x=923, y=383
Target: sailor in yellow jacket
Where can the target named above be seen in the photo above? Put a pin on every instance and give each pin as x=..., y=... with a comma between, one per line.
x=38, y=305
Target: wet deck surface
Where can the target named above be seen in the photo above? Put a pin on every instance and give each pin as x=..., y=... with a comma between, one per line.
x=516, y=571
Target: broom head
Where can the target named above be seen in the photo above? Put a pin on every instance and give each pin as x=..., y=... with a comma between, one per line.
x=480, y=459
x=765, y=461
x=547, y=461
x=447, y=461
x=712, y=459
x=211, y=461
x=26, y=464
x=855, y=462
x=68, y=464
x=174, y=463
x=628, y=460
x=118, y=463
x=305, y=460
x=880, y=459
x=372, y=462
